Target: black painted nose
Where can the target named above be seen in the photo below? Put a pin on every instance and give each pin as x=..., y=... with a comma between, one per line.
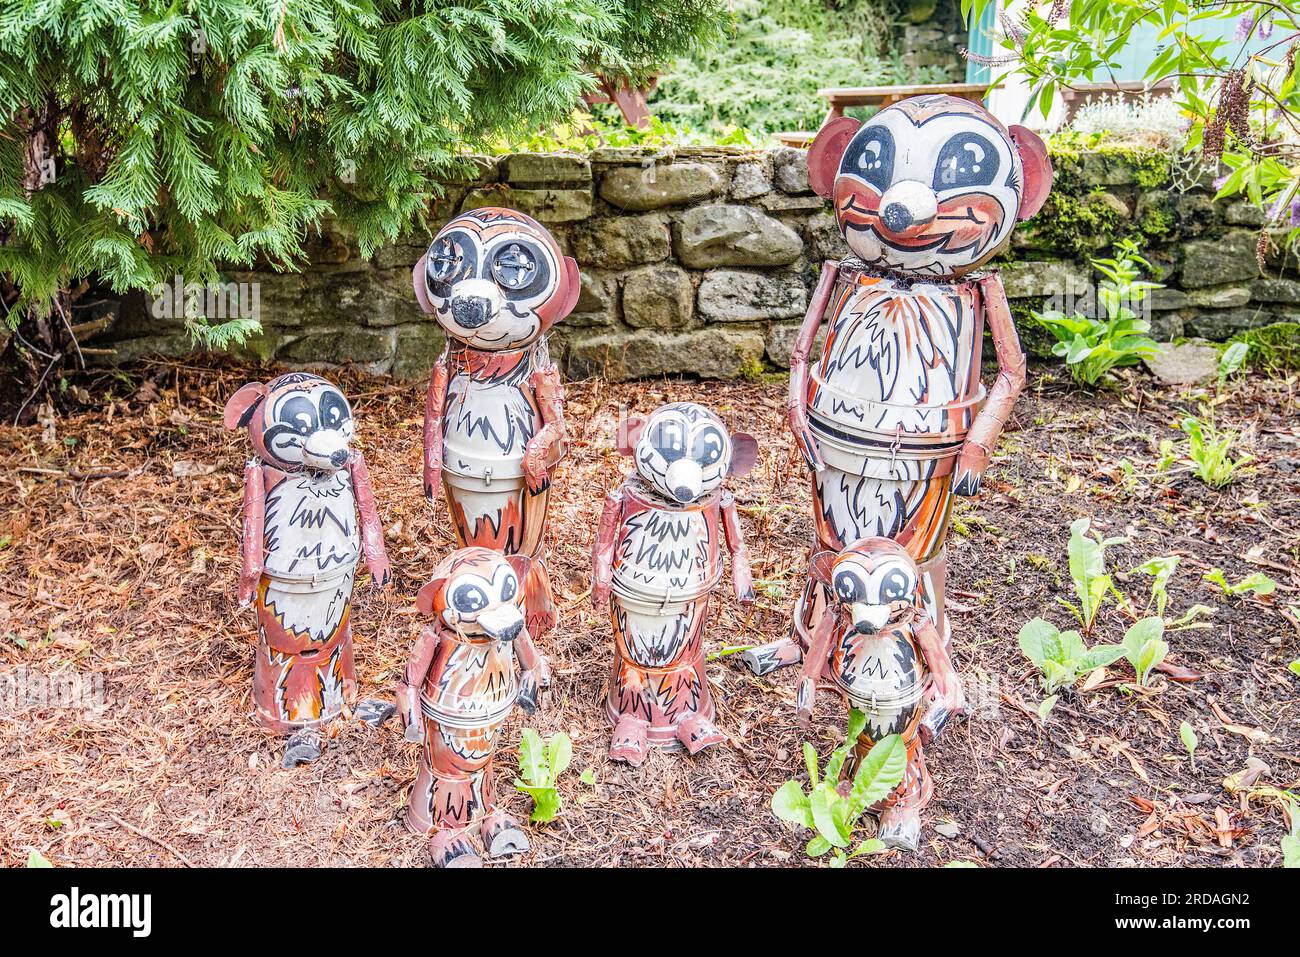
x=864, y=628
x=683, y=493
x=470, y=312
x=510, y=632
x=338, y=458
x=897, y=217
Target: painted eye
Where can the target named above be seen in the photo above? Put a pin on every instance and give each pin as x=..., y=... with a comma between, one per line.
x=334, y=410
x=509, y=588
x=848, y=587
x=299, y=414
x=444, y=259
x=669, y=439
x=469, y=598
x=967, y=159
x=707, y=448
x=514, y=266
x=870, y=157
x=895, y=586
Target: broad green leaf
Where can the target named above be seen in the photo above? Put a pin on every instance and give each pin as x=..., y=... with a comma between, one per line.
x=1072, y=649
x=1190, y=740
x=1140, y=632
x=588, y=777
x=789, y=803
x=871, y=845
x=1040, y=641
x=37, y=859
x=1046, y=706
x=559, y=753
x=828, y=814
x=810, y=762
x=962, y=864
x=838, y=860
x=546, y=800
x=817, y=847
x=1290, y=851
x=1099, y=656
x=879, y=773
x=1152, y=653
x=1294, y=667
x=532, y=758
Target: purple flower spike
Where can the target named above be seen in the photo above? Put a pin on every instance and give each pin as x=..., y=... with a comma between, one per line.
x=1244, y=26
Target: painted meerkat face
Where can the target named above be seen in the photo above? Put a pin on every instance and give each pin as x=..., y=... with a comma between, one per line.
x=874, y=579
x=685, y=451
x=476, y=591
x=296, y=421
x=931, y=185
x=495, y=279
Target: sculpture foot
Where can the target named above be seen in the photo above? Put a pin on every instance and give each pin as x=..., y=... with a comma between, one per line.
x=629, y=742
x=452, y=849
x=374, y=712
x=302, y=747
x=698, y=733
x=764, y=659
x=901, y=828
x=502, y=836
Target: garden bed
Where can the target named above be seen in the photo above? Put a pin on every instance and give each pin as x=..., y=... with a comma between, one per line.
x=118, y=559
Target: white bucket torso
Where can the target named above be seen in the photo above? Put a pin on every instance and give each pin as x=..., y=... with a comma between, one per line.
x=310, y=531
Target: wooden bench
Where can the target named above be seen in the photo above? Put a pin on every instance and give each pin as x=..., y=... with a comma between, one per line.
x=1126, y=91
x=842, y=97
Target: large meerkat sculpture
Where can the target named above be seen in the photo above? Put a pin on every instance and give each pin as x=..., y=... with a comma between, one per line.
x=892, y=421
x=495, y=280
x=301, y=542
x=659, y=551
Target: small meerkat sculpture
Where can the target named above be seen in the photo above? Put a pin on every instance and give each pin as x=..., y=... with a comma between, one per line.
x=893, y=421
x=301, y=542
x=496, y=280
x=878, y=648
x=658, y=552
x=458, y=689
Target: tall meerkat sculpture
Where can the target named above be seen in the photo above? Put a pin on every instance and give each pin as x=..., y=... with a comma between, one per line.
x=659, y=551
x=301, y=542
x=496, y=280
x=892, y=421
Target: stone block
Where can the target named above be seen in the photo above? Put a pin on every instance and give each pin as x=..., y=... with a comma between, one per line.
x=724, y=234
x=657, y=185
x=728, y=295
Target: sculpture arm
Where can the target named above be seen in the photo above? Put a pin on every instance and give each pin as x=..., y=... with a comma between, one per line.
x=535, y=672
x=602, y=552
x=372, y=532
x=548, y=446
x=796, y=406
x=813, y=663
x=949, y=698
x=741, y=579
x=434, y=405
x=983, y=435
x=408, y=689
x=252, y=544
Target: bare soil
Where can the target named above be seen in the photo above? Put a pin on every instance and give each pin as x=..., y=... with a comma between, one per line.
x=119, y=557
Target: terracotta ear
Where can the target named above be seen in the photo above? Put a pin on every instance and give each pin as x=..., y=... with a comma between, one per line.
x=1038, y=170
x=629, y=432
x=425, y=598
x=573, y=287
x=240, y=406
x=821, y=566
x=826, y=152
x=521, y=564
x=744, y=453
x=417, y=280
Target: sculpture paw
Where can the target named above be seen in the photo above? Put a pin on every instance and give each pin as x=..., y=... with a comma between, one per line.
x=453, y=849
x=528, y=692
x=630, y=741
x=697, y=733
x=302, y=747
x=968, y=483
x=502, y=836
x=901, y=828
x=764, y=659
x=373, y=712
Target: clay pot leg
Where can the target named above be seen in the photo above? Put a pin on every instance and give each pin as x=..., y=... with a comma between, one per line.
x=764, y=659
x=502, y=836
x=697, y=733
x=374, y=712
x=630, y=740
x=900, y=823
x=452, y=848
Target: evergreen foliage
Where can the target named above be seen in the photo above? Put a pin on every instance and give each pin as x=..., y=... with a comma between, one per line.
x=141, y=139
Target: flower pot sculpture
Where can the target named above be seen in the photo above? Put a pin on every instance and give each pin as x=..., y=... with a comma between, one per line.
x=495, y=280
x=876, y=645
x=893, y=420
x=458, y=689
x=658, y=550
x=301, y=543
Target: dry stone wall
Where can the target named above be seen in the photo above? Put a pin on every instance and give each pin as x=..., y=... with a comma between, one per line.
x=700, y=262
